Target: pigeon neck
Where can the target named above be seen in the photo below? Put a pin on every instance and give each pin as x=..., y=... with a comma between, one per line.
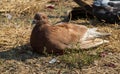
x=43, y=23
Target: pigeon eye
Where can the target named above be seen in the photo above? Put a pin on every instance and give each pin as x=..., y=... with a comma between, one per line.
x=43, y=17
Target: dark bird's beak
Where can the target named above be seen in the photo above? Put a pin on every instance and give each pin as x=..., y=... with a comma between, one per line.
x=33, y=22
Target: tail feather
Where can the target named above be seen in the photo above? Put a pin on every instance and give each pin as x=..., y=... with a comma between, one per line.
x=93, y=33
x=92, y=43
x=102, y=34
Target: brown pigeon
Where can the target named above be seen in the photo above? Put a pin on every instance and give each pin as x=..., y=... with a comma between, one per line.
x=57, y=38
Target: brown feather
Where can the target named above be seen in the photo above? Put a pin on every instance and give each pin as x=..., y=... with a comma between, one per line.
x=56, y=38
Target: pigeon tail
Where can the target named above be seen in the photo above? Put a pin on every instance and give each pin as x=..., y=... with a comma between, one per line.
x=92, y=43
x=92, y=33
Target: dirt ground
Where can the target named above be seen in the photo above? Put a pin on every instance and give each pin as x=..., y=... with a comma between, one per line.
x=16, y=56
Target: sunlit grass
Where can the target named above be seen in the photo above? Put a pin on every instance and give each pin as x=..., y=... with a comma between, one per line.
x=15, y=35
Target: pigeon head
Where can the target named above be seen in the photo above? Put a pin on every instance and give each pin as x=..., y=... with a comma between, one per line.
x=40, y=17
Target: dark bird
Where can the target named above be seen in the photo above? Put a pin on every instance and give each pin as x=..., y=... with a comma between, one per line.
x=57, y=38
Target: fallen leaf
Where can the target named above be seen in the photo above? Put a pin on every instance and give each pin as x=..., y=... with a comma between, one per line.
x=110, y=65
x=50, y=6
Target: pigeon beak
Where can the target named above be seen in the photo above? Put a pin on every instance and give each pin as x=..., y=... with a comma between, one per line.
x=34, y=22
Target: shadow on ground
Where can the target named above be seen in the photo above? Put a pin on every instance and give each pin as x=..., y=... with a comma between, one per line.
x=19, y=53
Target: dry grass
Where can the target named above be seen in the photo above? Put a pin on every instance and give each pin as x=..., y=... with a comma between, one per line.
x=15, y=54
